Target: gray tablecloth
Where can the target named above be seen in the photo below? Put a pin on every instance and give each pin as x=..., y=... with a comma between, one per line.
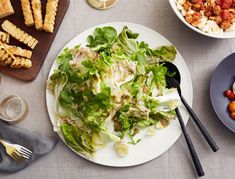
x=201, y=54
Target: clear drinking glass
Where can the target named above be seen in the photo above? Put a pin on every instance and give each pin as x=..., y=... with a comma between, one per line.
x=13, y=108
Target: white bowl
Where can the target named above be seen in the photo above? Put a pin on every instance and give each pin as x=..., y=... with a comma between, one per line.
x=223, y=35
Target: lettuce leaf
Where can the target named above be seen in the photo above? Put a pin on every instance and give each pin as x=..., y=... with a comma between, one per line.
x=64, y=58
x=127, y=41
x=102, y=38
x=57, y=82
x=159, y=76
x=164, y=115
x=77, y=138
x=63, y=64
x=167, y=102
x=165, y=53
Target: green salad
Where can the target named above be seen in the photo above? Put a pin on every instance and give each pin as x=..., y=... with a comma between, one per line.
x=111, y=89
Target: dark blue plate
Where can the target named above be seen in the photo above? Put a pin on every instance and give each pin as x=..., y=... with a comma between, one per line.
x=222, y=79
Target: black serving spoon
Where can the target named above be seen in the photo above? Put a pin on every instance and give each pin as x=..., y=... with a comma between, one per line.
x=175, y=80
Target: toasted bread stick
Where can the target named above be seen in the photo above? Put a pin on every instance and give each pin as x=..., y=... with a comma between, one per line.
x=6, y=8
x=28, y=15
x=49, y=21
x=18, y=51
x=19, y=34
x=4, y=37
x=21, y=62
x=37, y=14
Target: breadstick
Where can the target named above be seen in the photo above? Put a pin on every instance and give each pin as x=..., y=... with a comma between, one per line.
x=28, y=16
x=6, y=8
x=5, y=58
x=49, y=21
x=19, y=34
x=4, y=37
x=18, y=51
x=21, y=62
x=37, y=14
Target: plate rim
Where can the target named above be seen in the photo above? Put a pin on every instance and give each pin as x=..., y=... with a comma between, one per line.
x=124, y=23
x=211, y=98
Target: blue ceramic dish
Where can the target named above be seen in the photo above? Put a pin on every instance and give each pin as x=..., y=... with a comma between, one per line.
x=222, y=79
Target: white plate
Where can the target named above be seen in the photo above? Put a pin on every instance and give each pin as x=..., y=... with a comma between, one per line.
x=223, y=35
x=150, y=147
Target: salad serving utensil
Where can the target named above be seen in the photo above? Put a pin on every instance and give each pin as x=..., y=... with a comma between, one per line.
x=17, y=152
x=192, y=150
x=175, y=82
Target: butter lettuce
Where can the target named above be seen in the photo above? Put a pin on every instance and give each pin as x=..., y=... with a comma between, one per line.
x=57, y=82
x=127, y=41
x=102, y=38
x=166, y=53
x=77, y=138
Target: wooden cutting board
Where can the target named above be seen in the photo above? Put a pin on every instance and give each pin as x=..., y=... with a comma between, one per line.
x=45, y=39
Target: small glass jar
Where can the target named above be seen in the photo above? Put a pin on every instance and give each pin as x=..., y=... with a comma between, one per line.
x=13, y=108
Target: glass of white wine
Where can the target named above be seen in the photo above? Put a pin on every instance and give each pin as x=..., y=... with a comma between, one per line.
x=102, y=4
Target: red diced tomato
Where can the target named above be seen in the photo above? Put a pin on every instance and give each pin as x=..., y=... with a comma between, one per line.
x=225, y=14
x=229, y=94
x=225, y=4
x=232, y=96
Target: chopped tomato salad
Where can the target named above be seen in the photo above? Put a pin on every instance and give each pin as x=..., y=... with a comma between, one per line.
x=219, y=13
